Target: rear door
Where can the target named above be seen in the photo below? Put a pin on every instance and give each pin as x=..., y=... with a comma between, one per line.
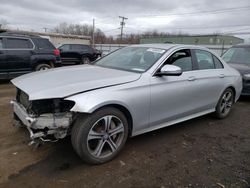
x=210, y=76
x=66, y=54
x=18, y=55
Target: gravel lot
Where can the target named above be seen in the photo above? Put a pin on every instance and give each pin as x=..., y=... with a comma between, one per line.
x=203, y=152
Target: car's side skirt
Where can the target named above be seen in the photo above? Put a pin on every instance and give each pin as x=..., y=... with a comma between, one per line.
x=173, y=122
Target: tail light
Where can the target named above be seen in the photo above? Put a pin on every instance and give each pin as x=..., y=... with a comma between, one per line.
x=57, y=52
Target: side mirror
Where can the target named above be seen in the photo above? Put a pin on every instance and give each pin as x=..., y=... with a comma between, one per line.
x=169, y=70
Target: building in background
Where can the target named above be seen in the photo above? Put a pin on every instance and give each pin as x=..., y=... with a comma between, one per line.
x=217, y=40
x=56, y=39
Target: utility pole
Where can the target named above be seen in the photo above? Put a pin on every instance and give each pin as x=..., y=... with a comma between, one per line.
x=93, y=34
x=122, y=24
x=45, y=29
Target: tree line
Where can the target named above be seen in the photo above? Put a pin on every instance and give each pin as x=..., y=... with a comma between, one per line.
x=101, y=38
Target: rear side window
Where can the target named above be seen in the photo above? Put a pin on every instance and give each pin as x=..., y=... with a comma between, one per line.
x=43, y=44
x=204, y=59
x=17, y=43
x=84, y=47
x=217, y=63
x=1, y=43
x=76, y=47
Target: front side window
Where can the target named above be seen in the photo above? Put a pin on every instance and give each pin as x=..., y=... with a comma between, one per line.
x=204, y=59
x=1, y=43
x=181, y=59
x=237, y=55
x=16, y=43
x=135, y=59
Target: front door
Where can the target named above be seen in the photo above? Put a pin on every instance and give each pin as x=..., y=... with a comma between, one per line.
x=174, y=97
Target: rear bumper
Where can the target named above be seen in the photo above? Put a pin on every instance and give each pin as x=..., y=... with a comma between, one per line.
x=58, y=63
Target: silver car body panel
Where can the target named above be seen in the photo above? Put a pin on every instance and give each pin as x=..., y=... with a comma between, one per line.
x=62, y=82
x=152, y=101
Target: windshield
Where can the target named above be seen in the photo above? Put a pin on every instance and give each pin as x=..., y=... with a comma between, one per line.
x=136, y=59
x=237, y=55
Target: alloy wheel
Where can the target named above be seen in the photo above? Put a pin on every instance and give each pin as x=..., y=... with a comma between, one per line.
x=105, y=136
x=226, y=102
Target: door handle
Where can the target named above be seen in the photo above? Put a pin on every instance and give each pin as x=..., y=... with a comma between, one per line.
x=222, y=75
x=191, y=78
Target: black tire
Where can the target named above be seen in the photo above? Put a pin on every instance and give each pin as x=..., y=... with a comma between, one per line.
x=84, y=143
x=42, y=66
x=85, y=60
x=225, y=104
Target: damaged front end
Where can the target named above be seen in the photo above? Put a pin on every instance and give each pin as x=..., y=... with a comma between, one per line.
x=46, y=119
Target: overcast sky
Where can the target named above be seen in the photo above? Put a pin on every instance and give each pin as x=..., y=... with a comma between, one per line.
x=192, y=16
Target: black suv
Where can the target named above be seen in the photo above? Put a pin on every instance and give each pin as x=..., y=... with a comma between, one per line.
x=20, y=54
x=78, y=54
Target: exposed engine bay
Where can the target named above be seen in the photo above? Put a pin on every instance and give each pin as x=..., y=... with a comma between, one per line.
x=46, y=120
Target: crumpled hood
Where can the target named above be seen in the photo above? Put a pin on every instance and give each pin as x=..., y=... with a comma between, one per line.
x=66, y=81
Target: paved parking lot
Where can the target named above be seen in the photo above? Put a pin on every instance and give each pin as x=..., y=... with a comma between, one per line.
x=203, y=152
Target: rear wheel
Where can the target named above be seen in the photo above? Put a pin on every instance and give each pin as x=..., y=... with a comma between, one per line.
x=85, y=60
x=42, y=67
x=99, y=137
x=225, y=104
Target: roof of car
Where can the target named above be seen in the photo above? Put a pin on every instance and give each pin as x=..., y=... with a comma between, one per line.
x=12, y=34
x=167, y=46
x=246, y=45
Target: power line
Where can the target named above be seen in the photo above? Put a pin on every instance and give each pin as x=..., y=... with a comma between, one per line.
x=216, y=11
x=106, y=31
x=199, y=27
x=239, y=29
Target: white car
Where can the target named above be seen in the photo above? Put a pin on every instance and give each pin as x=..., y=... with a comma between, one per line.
x=134, y=90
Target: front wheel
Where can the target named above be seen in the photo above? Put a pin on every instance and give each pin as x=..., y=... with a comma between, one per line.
x=225, y=104
x=99, y=137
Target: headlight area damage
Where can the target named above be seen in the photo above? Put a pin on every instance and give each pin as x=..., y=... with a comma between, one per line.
x=46, y=120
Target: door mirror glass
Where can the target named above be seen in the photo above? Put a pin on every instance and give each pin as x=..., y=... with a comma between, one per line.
x=169, y=70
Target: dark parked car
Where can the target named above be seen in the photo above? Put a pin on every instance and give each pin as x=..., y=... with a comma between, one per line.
x=20, y=54
x=239, y=57
x=78, y=54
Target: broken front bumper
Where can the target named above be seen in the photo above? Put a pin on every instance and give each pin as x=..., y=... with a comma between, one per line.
x=45, y=125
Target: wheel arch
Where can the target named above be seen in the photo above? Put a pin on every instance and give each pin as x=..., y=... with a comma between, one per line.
x=124, y=110
x=48, y=62
x=234, y=90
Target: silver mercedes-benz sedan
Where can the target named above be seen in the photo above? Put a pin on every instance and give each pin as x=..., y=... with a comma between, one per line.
x=131, y=91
